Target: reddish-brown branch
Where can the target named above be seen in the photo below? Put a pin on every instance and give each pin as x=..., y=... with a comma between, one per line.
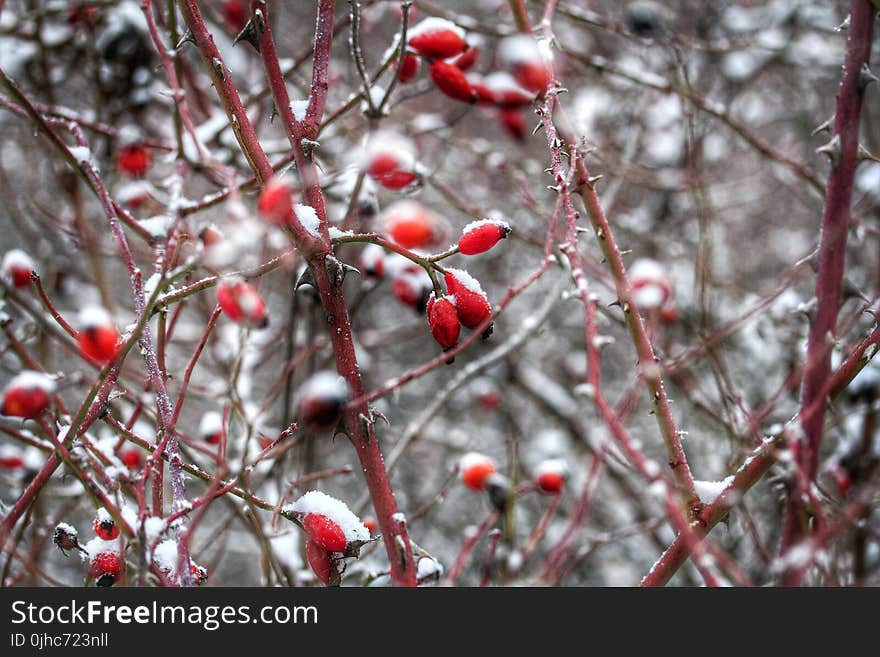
x=832, y=254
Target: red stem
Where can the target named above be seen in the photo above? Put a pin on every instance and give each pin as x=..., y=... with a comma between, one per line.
x=832, y=254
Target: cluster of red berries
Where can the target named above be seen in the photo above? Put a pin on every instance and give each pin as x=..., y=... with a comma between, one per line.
x=525, y=71
x=478, y=473
x=105, y=558
x=332, y=533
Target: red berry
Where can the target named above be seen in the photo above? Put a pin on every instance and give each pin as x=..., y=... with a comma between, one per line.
x=98, y=337
x=320, y=561
x=276, y=202
x=437, y=38
x=326, y=533
x=470, y=300
x=27, y=395
x=480, y=236
x=235, y=13
x=17, y=266
x=466, y=60
x=132, y=458
x=551, y=476
x=481, y=90
x=409, y=224
x=443, y=321
x=452, y=82
x=321, y=399
x=105, y=567
x=104, y=525
x=513, y=123
x=10, y=457
x=134, y=160
x=370, y=523
x=474, y=469
x=386, y=170
x=242, y=303
x=490, y=400
x=523, y=56
x=410, y=68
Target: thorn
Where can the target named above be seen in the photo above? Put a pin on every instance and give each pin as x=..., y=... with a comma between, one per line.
x=831, y=149
x=866, y=76
x=186, y=38
x=218, y=68
x=538, y=128
x=592, y=180
x=864, y=154
x=309, y=145
x=249, y=32
x=823, y=127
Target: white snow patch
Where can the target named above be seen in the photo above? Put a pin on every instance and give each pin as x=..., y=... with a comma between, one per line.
x=30, y=380
x=433, y=24
x=467, y=281
x=710, y=490
x=299, y=108
x=336, y=510
x=308, y=218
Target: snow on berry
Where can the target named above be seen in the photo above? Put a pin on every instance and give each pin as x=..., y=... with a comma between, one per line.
x=336, y=512
x=474, y=468
x=242, y=303
x=443, y=321
x=65, y=537
x=528, y=59
x=551, y=475
x=428, y=568
x=452, y=82
x=98, y=336
x=105, y=560
x=372, y=261
x=134, y=160
x=210, y=427
x=410, y=224
x=471, y=302
x=17, y=267
x=27, y=394
x=104, y=525
x=480, y=236
x=275, y=204
x=389, y=159
x=410, y=68
x=11, y=457
x=650, y=284
x=506, y=91
x=436, y=38
x=320, y=399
